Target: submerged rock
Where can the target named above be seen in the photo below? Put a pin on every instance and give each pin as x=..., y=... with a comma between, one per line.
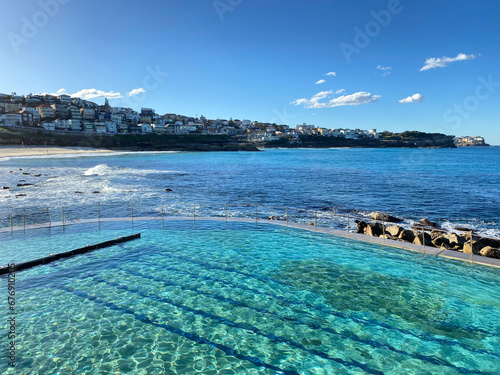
x=384, y=217
x=426, y=223
x=5, y=188
x=24, y=184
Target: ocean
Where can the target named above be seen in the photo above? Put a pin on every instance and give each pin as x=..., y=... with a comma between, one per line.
x=454, y=187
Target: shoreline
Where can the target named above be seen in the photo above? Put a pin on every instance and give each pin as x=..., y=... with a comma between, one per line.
x=20, y=151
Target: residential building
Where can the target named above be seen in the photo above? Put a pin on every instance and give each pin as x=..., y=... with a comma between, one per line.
x=46, y=112
x=100, y=127
x=88, y=126
x=74, y=113
x=60, y=110
x=8, y=106
x=27, y=118
x=146, y=128
x=65, y=99
x=111, y=127
x=75, y=125
x=12, y=119
x=88, y=114
x=61, y=124
x=49, y=125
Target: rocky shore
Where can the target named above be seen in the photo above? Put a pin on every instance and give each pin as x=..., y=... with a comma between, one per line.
x=427, y=233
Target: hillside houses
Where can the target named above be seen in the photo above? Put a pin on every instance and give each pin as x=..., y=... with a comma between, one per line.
x=63, y=113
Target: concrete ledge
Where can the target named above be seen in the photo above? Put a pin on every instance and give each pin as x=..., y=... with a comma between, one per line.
x=449, y=254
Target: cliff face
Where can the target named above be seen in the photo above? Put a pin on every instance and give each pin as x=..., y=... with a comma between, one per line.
x=401, y=140
x=133, y=142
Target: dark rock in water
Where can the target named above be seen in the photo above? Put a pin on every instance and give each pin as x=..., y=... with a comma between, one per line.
x=274, y=217
x=407, y=235
x=5, y=188
x=37, y=175
x=490, y=252
x=26, y=173
x=168, y=190
x=24, y=184
x=96, y=192
x=78, y=192
x=20, y=195
x=361, y=226
x=384, y=217
x=427, y=223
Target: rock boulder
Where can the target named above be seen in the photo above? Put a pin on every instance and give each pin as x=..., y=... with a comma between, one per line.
x=490, y=252
x=384, y=217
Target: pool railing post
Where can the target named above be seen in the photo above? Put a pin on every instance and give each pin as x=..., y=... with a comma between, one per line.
x=24, y=222
x=423, y=239
x=62, y=215
x=48, y=214
x=162, y=215
x=225, y=212
x=383, y=229
x=11, y=223
x=287, y=216
x=348, y=225
x=194, y=211
x=315, y=221
x=132, y=213
x=471, y=248
x=99, y=215
x=255, y=214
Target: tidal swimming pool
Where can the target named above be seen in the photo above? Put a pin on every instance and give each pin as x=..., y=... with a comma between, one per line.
x=240, y=298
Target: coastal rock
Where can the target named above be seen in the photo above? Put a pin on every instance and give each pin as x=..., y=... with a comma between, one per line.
x=361, y=226
x=473, y=248
x=406, y=235
x=5, y=188
x=454, y=240
x=168, y=190
x=491, y=242
x=96, y=192
x=374, y=230
x=24, y=184
x=394, y=230
x=384, y=217
x=20, y=195
x=490, y=252
x=78, y=192
x=425, y=239
x=275, y=217
x=387, y=236
x=441, y=241
x=427, y=223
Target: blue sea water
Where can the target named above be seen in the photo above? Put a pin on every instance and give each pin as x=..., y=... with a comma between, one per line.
x=451, y=186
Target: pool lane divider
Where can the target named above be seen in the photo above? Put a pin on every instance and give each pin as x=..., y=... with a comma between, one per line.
x=82, y=250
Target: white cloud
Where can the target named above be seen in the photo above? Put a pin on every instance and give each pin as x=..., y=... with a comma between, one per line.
x=321, y=81
x=138, y=91
x=333, y=74
x=339, y=91
x=386, y=70
x=442, y=62
x=353, y=99
x=87, y=94
x=416, y=98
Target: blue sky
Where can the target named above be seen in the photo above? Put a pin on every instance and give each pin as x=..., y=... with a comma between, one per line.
x=265, y=60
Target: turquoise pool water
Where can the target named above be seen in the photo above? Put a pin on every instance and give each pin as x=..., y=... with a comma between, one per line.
x=247, y=299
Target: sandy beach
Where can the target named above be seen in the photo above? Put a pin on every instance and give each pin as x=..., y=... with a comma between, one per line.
x=19, y=151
